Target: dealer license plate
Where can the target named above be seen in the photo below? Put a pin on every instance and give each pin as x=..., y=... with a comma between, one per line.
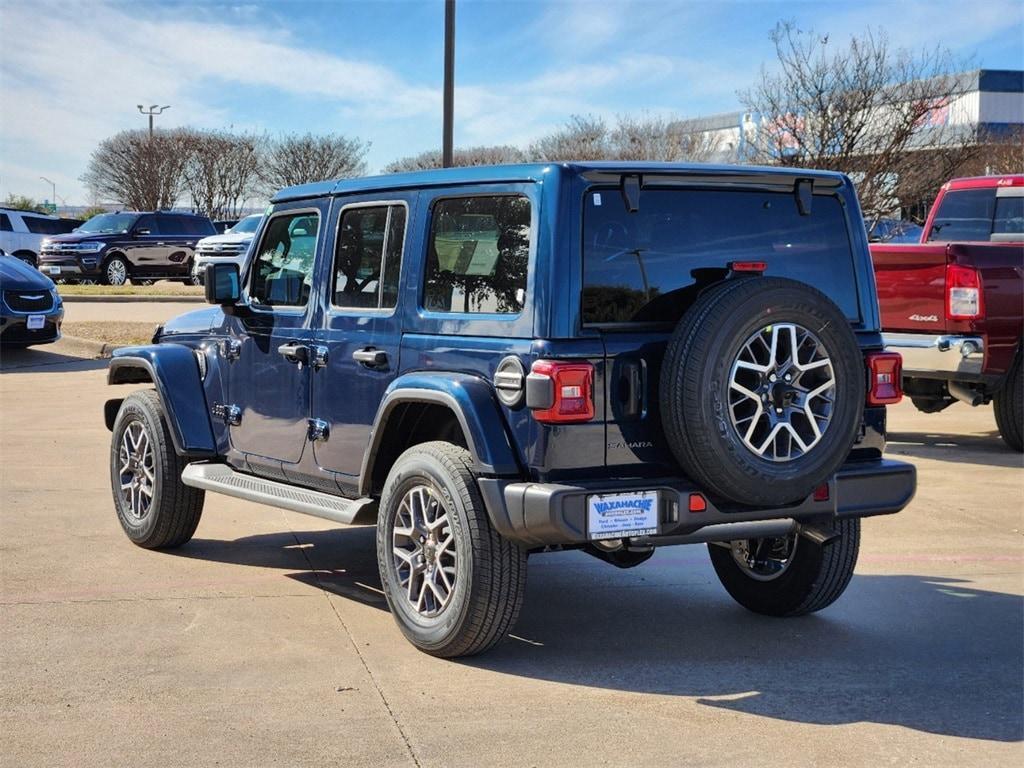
x=622, y=515
x=36, y=322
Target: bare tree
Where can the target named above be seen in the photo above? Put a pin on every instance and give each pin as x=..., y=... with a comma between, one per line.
x=290, y=160
x=140, y=171
x=221, y=171
x=582, y=138
x=866, y=109
x=460, y=158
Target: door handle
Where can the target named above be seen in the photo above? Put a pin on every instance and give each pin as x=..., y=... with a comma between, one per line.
x=161, y=243
x=370, y=357
x=293, y=353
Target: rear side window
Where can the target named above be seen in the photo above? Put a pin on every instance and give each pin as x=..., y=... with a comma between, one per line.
x=645, y=266
x=478, y=253
x=1009, y=219
x=964, y=215
x=40, y=226
x=368, y=257
x=5, y=223
x=282, y=270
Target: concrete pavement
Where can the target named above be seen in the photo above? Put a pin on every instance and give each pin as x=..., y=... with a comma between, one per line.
x=266, y=641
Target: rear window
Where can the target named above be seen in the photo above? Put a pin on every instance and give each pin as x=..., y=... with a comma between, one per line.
x=1009, y=218
x=645, y=266
x=964, y=216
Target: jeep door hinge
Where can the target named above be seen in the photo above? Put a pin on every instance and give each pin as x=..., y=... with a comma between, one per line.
x=231, y=349
x=319, y=357
x=318, y=430
x=229, y=414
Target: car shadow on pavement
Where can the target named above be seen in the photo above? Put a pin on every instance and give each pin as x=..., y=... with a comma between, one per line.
x=987, y=448
x=36, y=360
x=923, y=652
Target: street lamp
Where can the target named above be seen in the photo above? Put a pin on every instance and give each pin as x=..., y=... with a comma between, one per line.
x=53, y=195
x=449, y=83
x=154, y=109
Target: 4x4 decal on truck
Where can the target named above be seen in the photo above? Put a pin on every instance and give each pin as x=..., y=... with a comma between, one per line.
x=924, y=318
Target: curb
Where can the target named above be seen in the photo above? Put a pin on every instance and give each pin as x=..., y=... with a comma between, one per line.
x=97, y=350
x=129, y=299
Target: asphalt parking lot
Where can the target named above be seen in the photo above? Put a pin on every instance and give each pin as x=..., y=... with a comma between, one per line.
x=266, y=640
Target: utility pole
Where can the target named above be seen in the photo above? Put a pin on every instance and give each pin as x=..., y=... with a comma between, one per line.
x=53, y=192
x=449, y=82
x=155, y=109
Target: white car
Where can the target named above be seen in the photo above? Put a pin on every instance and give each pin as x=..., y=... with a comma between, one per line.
x=22, y=232
x=231, y=247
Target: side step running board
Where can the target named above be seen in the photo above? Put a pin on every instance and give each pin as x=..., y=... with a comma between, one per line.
x=220, y=478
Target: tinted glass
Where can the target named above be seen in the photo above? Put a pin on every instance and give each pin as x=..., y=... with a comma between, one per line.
x=109, y=223
x=644, y=266
x=478, y=253
x=282, y=269
x=63, y=226
x=247, y=225
x=147, y=222
x=40, y=226
x=1009, y=218
x=5, y=223
x=171, y=225
x=964, y=215
x=369, y=257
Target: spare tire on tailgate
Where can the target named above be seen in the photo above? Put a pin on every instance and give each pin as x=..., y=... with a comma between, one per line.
x=762, y=390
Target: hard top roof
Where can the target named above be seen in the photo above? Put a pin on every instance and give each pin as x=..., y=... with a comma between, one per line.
x=524, y=172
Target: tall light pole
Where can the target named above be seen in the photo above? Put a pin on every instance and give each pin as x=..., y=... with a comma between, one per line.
x=53, y=190
x=154, y=109
x=449, y=82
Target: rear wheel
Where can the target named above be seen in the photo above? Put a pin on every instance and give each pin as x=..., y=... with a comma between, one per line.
x=789, y=576
x=155, y=509
x=1008, y=404
x=453, y=584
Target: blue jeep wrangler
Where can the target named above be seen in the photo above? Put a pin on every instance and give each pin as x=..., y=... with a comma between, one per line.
x=495, y=362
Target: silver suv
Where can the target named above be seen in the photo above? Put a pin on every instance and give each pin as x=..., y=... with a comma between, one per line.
x=230, y=248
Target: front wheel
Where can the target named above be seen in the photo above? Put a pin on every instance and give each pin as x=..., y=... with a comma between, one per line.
x=788, y=576
x=115, y=272
x=453, y=584
x=155, y=509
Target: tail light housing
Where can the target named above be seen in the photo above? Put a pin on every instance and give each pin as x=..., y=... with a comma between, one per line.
x=560, y=393
x=885, y=383
x=964, y=299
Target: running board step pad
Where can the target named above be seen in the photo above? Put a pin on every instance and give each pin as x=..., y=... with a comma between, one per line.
x=220, y=478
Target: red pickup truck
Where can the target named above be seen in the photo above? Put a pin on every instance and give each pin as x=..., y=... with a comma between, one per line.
x=953, y=304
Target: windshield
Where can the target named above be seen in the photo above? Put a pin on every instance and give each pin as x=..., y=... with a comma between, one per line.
x=246, y=226
x=109, y=223
x=643, y=266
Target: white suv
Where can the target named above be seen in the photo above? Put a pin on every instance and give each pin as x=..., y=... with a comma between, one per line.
x=230, y=248
x=22, y=232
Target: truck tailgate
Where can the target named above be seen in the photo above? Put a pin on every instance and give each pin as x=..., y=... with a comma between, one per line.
x=911, y=282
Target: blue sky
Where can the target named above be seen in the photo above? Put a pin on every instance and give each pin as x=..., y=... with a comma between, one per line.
x=72, y=73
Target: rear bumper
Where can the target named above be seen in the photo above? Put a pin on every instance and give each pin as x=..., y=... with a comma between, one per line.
x=548, y=514
x=941, y=356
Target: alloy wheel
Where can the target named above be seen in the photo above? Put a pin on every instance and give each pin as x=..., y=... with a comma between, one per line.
x=423, y=551
x=137, y=470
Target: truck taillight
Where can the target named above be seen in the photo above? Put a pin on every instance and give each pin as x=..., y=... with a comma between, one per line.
x=885, y=371
x=963, y=293
x=560, y=393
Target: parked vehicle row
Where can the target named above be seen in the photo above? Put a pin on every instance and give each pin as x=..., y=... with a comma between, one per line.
x=953, y=304
x=31, y=310
x=232, y=246
x=500, y=361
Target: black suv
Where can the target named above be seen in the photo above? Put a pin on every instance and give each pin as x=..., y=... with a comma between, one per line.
x=117, y=247
x=494, y=362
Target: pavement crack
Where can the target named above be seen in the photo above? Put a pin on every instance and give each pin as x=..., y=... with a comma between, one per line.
x=362, y=659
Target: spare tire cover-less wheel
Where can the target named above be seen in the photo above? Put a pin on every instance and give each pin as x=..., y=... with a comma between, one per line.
x=762, y=390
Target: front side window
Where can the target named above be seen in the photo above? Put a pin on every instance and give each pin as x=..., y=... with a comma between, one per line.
x=171, y=225
x=368, y=258
x=147, y=225
x=282, y=269
x=478, y=253
x=964, y=216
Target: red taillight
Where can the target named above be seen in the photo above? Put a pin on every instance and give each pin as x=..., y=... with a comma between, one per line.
x=698, y=503
x=748, y=266
x=821, y=493
x=963, y=293
x=564, y=392
x=885, y=386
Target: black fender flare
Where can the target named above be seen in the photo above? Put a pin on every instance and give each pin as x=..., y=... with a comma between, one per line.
x=173, y=369
x=471, y=400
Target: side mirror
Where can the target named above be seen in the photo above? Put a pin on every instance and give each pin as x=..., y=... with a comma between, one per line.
x=223, y=284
